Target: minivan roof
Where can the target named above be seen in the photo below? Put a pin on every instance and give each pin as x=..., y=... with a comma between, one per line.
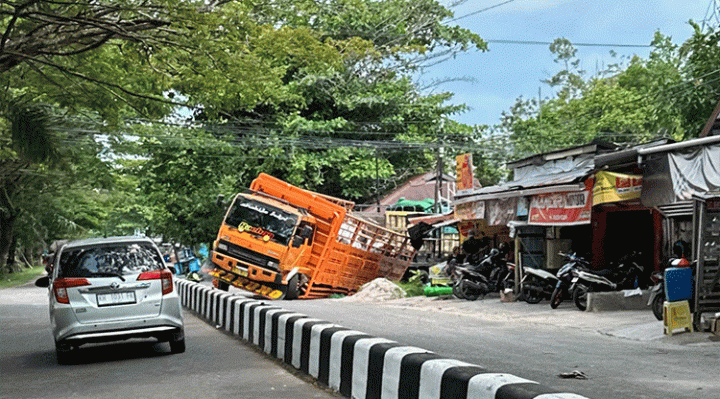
x=106, y=240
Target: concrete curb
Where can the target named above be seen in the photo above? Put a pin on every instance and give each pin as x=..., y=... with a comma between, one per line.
x=353, y=363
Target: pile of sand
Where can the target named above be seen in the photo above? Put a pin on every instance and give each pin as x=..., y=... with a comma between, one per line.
x=380, y=289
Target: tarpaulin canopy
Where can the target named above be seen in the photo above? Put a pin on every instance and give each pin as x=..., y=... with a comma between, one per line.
x=403, y=204
x=675, y=176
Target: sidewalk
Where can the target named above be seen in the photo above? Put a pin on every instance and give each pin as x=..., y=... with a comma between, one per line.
x=636, y=325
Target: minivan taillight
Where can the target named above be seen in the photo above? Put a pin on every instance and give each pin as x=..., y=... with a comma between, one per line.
x=164, y=275
x=61, y=285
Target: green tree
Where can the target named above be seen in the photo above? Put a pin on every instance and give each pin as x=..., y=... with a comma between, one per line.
x=670, y=94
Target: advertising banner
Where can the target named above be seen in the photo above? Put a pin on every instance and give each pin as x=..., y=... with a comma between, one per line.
x=464, y=173
x=501, y=211
x=470, y=211
x=614, y=187
x=561, y=209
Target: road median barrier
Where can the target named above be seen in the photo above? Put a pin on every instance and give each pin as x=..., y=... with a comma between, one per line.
x=355, y=364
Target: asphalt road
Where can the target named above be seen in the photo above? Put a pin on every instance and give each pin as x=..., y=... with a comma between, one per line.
x=215, y=364
x=624, y=354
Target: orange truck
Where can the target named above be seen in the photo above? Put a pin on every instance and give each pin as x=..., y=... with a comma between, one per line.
x=283, y=242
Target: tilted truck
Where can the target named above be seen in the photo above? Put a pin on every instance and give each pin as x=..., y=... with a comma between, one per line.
x=280, y=241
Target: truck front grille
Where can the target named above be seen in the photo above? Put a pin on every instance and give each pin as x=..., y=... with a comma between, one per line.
x=248, y=256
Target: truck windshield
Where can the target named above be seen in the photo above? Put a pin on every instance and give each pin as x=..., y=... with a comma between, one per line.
x=261, y=219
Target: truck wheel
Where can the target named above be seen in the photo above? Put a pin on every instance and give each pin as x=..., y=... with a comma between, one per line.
x=297, y=286
x=221, y=285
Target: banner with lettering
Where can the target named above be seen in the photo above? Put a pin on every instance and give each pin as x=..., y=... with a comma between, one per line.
x=614, y=187
x=561, y=209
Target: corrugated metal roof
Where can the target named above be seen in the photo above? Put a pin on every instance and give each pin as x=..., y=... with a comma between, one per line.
x=558, y=176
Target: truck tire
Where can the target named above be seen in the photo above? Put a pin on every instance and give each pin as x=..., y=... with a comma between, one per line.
x=221, y=285
x=296, y=286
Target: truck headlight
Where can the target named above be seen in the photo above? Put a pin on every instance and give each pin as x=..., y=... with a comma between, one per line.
x=222, y=247
x=272, y=264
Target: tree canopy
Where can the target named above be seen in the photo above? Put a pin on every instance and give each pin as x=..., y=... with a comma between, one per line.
x=159, y=106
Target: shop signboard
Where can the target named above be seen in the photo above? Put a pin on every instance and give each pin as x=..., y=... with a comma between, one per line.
x=501, y=211
x=464, y=173
x=561, y=209
x=470, y=210
x=615, y=187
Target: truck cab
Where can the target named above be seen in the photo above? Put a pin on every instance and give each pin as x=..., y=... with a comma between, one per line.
x=264, y=244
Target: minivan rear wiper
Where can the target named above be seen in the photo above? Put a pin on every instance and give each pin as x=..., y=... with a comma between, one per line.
x=107, y=274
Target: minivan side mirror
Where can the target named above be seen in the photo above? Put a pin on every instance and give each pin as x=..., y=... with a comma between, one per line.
x=43, y=282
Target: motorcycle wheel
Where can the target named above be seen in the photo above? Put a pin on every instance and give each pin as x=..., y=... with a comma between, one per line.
x=657, y=306
x=532, y=294
x=468, y=292
x=556, y=298
x=456, y=290
x=580, y=296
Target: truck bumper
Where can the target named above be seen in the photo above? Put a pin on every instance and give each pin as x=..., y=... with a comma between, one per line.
x=244, y=281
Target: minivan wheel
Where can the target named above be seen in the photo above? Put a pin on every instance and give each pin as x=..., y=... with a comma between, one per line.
x=63, y=353
x=177, y=343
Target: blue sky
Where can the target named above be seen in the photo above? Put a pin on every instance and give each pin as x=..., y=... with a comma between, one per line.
x=508, y=71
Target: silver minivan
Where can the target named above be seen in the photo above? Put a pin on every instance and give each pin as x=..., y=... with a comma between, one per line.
x=111, y=289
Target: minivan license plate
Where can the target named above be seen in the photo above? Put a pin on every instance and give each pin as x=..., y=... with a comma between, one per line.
x=116, y=298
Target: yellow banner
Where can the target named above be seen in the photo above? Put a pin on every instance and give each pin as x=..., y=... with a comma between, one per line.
x=464, y=173
x=614, y=187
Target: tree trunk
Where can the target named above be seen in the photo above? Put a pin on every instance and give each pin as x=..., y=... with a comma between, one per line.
x=8, y=216
x=12, y=265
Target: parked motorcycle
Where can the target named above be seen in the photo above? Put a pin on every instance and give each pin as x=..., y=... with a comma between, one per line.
x=537, y=284
x=657, y=295
x=657, y=292
x=491, y=274
x=565, y=275
x=627, y=274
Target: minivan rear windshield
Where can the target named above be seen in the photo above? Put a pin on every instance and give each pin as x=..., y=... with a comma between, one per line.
x=110, y=260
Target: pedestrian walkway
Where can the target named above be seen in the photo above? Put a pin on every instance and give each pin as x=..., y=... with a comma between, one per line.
x=636, y=325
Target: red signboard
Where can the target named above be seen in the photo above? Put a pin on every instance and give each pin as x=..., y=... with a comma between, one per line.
x=570, y=208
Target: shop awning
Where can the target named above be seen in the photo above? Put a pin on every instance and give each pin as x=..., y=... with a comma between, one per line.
x=681, y=171
x=442, y=220
x=557, y=177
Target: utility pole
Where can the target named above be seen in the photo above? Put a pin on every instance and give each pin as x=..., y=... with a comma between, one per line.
x=438, y=187
x=377, y=182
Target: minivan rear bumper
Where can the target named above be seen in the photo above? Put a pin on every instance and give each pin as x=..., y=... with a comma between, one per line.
x=68, y=330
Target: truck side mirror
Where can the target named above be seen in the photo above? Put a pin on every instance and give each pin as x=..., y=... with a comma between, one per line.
x=297, y=241
x=306, y=231
x=220, y=201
